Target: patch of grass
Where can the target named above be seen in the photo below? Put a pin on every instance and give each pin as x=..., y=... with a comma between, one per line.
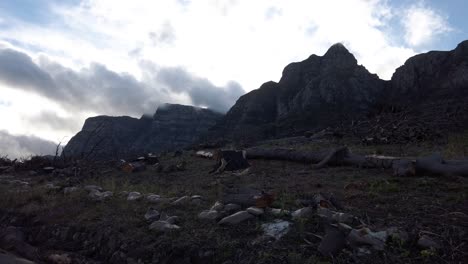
x=383, y=186
x=457, y=146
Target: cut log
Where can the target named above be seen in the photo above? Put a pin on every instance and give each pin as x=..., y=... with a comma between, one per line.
x=342, y=156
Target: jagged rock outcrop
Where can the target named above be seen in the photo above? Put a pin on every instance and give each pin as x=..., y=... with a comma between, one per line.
x=317, y=92
x=172, y=127
x=432, y=76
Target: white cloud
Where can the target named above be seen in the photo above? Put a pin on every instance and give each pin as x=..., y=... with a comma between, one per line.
x=247, y=41
x=422, y=24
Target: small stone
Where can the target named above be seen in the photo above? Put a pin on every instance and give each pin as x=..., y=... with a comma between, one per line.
x=276, y=229
x=153, y=198
x=305, y=213
x=236, y=218
x=181, y=200
x=69, y=190
x=209, y=215
x=428, y=243
x=52, y=186
x=100, y=196
x=132, y=196
x=231, y=208
x=163, y=226
x=255, y=211
x=218, y=206
x=152, y=215
x=196, y=197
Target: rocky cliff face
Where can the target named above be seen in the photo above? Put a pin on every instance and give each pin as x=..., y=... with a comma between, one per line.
x=172, y=127
x=317, y=92
x=332, y=89
x=432, y=76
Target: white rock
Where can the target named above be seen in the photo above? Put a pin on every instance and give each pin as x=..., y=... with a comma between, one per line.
x=236, y=218
x=218, y=206
x=152, y=214
x=209, y=215
x=196, y=197
x=163, y=226
x=306, y=212
x=99, y=196
x=255, y=211
x=276, y=229
x=132, y=196
x=366, y=236
x=181, y=200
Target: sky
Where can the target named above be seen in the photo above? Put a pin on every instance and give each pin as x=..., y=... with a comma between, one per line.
x=62, y=61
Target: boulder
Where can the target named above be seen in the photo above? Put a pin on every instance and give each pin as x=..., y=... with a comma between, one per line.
x=231, y=208
x=152, y=214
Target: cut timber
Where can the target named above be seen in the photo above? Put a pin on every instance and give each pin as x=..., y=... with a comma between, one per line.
x=342, y=156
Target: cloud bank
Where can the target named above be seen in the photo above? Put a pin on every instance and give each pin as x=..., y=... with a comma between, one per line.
x=98, y=89
x=23, y=146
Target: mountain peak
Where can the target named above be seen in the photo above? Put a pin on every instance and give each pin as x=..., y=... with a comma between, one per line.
x=337, y=49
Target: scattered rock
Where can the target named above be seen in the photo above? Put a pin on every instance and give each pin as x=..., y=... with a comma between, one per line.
x=236, y=218
x=276, y=229
x=152, y=214
x=163, y=226
x=255, y=211
x=209, y=215
x=132, y=196
x=305, y=213
x=153, y=198
x=218, y=206
x=194, y=197
x=428, y=243
x=100, y=196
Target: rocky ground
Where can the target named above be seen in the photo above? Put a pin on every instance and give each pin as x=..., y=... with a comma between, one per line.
x=177, y=212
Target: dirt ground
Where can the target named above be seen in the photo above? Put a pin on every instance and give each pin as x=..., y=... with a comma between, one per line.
x=115, y=230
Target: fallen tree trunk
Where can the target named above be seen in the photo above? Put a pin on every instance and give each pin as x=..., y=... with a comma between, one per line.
x=342, y=156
